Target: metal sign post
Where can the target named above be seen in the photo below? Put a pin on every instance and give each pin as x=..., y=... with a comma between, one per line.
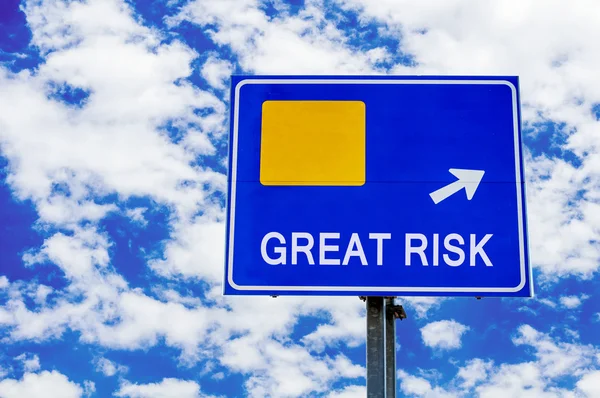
x=376, y=374
x=381, y=345
x=390, y=349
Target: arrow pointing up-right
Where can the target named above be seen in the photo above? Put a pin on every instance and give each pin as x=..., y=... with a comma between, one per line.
x=467, y=179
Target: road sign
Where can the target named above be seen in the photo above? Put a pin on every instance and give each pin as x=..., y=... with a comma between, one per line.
x=376, y=186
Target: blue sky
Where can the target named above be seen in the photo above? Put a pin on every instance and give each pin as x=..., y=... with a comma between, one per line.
x=113, y=140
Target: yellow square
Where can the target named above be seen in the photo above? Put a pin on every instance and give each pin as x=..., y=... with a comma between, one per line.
x=313, y=143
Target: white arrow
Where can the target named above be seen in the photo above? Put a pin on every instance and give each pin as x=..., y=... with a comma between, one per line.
x=467, y=179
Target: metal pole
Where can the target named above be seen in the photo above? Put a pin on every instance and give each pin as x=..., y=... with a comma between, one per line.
x=375, y=348
x=390, y=349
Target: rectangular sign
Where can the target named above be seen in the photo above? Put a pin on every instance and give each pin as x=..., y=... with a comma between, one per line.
x=376, y=186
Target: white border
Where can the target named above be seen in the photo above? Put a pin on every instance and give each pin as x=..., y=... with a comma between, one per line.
x=233, y=176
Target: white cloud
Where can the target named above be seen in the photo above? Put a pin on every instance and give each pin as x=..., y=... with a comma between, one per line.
x=562, y=227
x=422, y=305
x=199, y=143
x=5, y=371
x=556, y=359
x=89, y=388
x=345, y=323
x=144, y=320
x=134, y=85
x=304, y=43
x=4, y=283
x=590, y=384
x=444, y=334
x=31, y=362
x=475, y=371
x=346, y=368
x=275, y=366
x=167, y=388
x=215, y=71
x=121, y=318
x=80, y=256
x=419, y=387
x=113, y=143
x=40, y=385
x=574, y=334
x=522, y=379
x=572, y=302
x=137, y=215
x=542, y=377
x=109, y=368
x=41, y=294
x=349, y=392
x=196, y=250
x=130, y=320
x=48, y=19
x=286, y=370
x=548, y=302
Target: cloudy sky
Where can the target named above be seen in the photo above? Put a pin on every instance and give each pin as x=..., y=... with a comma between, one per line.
x=113, y=145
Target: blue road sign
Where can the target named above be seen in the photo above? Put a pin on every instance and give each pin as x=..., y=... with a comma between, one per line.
x=376, y=186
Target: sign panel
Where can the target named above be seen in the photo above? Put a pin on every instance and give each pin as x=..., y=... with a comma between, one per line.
x=376, y=185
